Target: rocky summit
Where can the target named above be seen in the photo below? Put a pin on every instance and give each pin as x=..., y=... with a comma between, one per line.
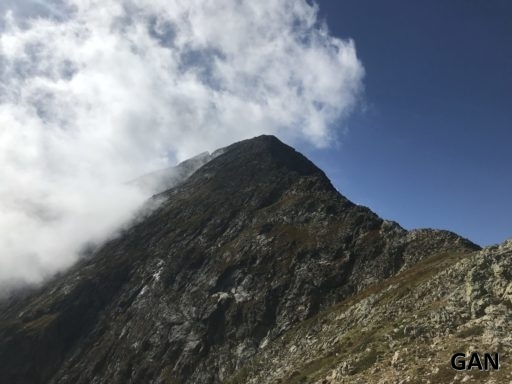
x=255, y=269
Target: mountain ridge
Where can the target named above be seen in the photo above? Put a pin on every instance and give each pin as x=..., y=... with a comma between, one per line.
x=253, y=242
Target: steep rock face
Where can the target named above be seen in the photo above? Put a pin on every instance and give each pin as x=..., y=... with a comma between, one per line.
x=255, y=241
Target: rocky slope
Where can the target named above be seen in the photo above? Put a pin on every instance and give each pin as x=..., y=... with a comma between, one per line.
x=254, y=269
x=404, y=329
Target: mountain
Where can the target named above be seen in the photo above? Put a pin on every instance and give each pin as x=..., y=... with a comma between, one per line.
x=255, y=269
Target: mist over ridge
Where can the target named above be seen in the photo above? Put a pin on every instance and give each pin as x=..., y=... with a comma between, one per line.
x=97, y=93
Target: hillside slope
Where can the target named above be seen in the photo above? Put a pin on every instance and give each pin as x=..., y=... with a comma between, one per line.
x=404, y=329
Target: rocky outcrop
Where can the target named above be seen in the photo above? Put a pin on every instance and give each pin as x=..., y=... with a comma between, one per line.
x=254, y=244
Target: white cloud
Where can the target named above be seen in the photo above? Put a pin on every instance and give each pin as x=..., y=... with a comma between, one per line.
x=94, y=93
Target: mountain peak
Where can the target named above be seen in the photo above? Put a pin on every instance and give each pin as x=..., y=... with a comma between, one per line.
x=255, y=173
x=265, y=152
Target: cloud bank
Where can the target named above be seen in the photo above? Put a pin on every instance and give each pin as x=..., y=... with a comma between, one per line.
x=95, y=93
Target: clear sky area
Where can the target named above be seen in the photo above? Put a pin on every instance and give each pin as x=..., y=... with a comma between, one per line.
x=431, y=145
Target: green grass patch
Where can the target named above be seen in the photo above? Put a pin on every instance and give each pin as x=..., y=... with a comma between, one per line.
x=41, y=322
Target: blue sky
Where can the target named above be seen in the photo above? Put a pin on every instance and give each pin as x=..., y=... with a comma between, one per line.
x=431, y=147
